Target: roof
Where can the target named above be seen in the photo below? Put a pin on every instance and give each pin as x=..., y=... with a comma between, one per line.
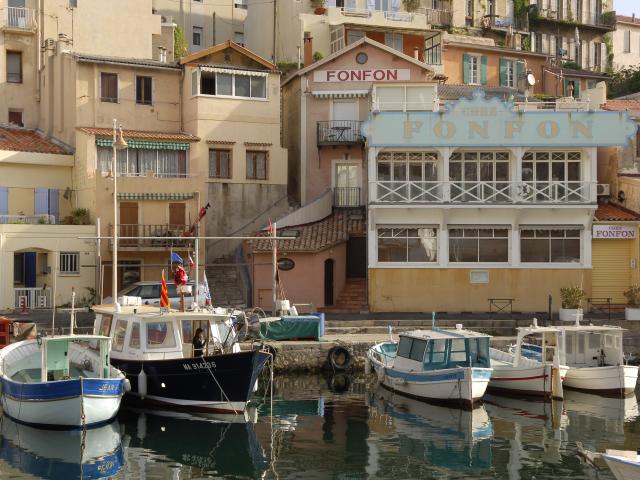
x=439, y=333
x=608, y=212
x=223, y=46
x=454, y=91
x=141, y=134
x=130, y=62
x=497, y=48
x=316, y=236
x=627, y=19
x=21, y=140
x=354, y=45
x=570, y=72
x=622, y=105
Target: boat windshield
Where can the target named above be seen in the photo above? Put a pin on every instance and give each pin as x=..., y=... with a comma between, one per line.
x=436, y=354
x=73, y=358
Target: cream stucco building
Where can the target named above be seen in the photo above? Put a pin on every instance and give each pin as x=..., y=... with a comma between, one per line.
x=626, y=42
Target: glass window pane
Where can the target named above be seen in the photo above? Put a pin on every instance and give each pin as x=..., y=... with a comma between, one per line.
x=493, y=250
x=417, y=349
x=526, y=233
x=258, y=87
x=160, y=335
x=243, y=88
x=384, y=171
x=557, y=171
x=573, y=171
x=392, y=249
x=486, y=171
x=455, y=171
x=223, y=84
x=118, y=335
x=187, y=331
x=527, y=171
x=430, y=172
x=134, y=340
x=399, y=171
x=415, y=172
x=542, y=172
x=565, y=250
x=534, y=250
x=502, y=171
x=404, y=347
x=471, y=171
x=463, y=250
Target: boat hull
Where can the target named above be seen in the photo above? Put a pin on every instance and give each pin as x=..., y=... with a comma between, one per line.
x=535, y=381
x=72, y=403
x=608, y=380
x=216, y=384
x=622, y=468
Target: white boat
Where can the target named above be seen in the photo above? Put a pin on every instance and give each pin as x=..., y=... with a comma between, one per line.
x=61, y=381
x=440, y=365
x=624, y=464
x=596, y=360
x=515, y=373
x=154, y=349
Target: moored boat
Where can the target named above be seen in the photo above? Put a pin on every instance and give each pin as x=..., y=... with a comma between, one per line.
x=60, y=382
x=438, y=365
x=515, y=372
x=624, y=464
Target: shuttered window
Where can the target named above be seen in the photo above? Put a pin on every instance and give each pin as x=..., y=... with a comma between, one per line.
x=109, y=87
x=4, y=201
x=510, y=72
x=474, y=69
x=47, y=202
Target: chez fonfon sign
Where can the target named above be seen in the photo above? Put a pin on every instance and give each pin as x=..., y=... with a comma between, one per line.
x=614, y=232
x=483, y=122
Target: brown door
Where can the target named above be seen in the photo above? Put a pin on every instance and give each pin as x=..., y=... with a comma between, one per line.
x=177, y=214
x=129, y=222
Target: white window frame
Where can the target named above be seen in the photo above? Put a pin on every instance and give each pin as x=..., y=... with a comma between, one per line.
x=507, y=262
x=474, y=69
x=69, y=263
x=200, y=31
x=579, y=264
x=626, y=41
x=511, y=73
x=233, y=88
x=407, y=263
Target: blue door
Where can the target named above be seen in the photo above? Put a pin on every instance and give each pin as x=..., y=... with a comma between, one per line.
x=30, y=269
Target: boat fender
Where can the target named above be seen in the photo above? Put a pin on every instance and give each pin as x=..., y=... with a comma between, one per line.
x=339, y=358
x=126, y=384
x=142, y=384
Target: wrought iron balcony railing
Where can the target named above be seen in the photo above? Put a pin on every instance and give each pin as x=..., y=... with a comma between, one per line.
x=346, y=197
x=20, y=18
x=158, y=231
x=339, y=132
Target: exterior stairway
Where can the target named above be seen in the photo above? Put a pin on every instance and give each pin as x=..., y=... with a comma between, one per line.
x=225, y=283
x=353, y=298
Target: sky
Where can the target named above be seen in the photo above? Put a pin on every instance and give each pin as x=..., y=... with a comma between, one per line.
x=627, y=7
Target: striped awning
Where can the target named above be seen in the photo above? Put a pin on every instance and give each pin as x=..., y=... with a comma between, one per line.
x=250, y=73
x=340, y=93
x=155, y=196
x=146, y=144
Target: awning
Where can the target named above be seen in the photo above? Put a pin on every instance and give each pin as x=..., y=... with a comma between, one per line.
x=146, y=144
x=340, y=93
x=155, y=196
x=250, y=73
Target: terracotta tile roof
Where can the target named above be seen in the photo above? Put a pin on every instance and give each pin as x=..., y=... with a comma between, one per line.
x=622, y=105
x=317, y=236
x=134, y=62
x=454, y=91
x=627, y=19
x=141, y=135
x=608, y=212
x=21, y=140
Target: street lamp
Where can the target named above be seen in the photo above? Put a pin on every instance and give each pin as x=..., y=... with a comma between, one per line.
x=118, y=144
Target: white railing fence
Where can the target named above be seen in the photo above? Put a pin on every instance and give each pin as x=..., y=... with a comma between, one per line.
x=30, y=298
x=18, y=17
x=43, y=219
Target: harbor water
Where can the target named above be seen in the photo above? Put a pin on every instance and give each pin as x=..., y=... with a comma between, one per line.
x=337, y=427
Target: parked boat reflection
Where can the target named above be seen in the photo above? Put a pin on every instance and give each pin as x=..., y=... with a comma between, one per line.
x=444, y=437
x=67, y=454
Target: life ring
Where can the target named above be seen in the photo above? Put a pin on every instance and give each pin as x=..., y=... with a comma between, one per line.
x=339, y=358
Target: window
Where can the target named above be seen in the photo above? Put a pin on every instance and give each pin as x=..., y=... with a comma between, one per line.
x=134, y=340
x=393, y=40
x=160, y=335
x=354, y=35
x=139, y=162
x=408, y=244
x=105, y=325
x=538, y=44
x=479, y=245
x=197, y=36
x=144, y=90
x=474, y=69
x=638, y=143
x=109, y=87
x=47, y=202
x=238, y=37
x=70, y=262
x=15, y=117
x=545, y=245
x=552, y=176
x=627, y=41
x=404, y=347
x=219, y=163
x=14, y=67
x=597, y=55
x=243, y=4
x=336, y=39
x=417, y=350
x=408, y=176
x=73, y=3
x=479, y=176
x=118, y=335
x=509, y=72
x=233, y=85
x=256, y=165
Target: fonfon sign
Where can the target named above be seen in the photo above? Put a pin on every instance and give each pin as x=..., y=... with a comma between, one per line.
x=615, y=232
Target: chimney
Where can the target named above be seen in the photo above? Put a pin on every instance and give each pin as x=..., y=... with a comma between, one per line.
x=308, y=49
x=416, y=53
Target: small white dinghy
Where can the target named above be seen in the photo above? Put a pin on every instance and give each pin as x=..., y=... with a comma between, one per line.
x=437, y=365
x=624, y=464
x=517, y=373
x=60, y=382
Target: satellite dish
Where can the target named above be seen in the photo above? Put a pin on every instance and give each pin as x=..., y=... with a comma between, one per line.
x=530, y=79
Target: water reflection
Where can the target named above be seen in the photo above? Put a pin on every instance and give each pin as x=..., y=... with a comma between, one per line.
x=96, y=453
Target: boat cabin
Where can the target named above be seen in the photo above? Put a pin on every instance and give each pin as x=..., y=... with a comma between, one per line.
x=593, y=346
x=145, y=333
x=442, y=349
x=540, y=344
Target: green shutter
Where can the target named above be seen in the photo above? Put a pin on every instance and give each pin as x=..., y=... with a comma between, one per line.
x=483, y=70
x=576, y=92
x=519, y=72
x=576, y=87
x=503, y=72
x=466, y=68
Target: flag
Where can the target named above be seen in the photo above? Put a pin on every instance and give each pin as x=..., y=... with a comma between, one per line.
x=175, y=258
x=205, y=290
x=191, y=262
x=164, y=296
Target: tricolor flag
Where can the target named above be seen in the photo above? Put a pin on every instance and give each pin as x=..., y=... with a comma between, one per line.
x=164, y=296
x=205, y=290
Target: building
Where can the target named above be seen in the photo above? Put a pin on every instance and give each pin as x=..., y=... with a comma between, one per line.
x=626, y=42
x=506, y=210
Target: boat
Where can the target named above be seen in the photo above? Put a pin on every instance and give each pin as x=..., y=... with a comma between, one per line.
x=624, y=464
x=70, y=454
x=61, y=381
x=605, y=417
x=437, y=365
x=515, y=372
x=153, y=348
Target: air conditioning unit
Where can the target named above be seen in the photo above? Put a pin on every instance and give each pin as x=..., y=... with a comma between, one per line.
x=603, y=190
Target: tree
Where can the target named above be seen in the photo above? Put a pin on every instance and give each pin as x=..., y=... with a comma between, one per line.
x=179, y=43
x=625, y=82
x=411, y=5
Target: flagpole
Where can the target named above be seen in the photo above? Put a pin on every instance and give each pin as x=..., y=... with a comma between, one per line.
x=274, y=255
x=197, y=254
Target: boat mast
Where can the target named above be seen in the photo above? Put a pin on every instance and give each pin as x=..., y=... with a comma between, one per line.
x=72, y=316
x=274, y=255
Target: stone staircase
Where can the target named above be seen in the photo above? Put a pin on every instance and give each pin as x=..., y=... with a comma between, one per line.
x=352, y=299
x=225, y=282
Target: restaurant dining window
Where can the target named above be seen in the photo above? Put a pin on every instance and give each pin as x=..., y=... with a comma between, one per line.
x=550, y=245
x=109, y=87
x=230, y=84
x=219, y=163
x=142, y=162
x=479, y=245
x=552, y=176
x=256, y=165
x=412, y=245
x=408, y=176
x=479, y=176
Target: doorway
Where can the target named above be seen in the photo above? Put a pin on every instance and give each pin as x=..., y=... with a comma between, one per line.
x=346, y=185
x=328, y=282
x=128, y=222
x=357, y=257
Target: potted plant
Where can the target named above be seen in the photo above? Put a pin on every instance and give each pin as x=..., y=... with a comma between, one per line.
x=632, y=311
x=318, y=6
x=411, y=5
x=81, y=216
x=571, y=303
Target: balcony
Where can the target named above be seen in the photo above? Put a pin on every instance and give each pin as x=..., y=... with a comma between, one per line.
x=157, y=231
x=605, y=20
x=28, y=219
x=19, y=20
x=346, y=197
x=507, y=192
x=376, y=18
x=339, y=132
x=436, y=17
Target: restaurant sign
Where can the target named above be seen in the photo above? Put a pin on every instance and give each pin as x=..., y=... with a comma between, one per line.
x=615, y=232
x=367, y=75
x=483, y=122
